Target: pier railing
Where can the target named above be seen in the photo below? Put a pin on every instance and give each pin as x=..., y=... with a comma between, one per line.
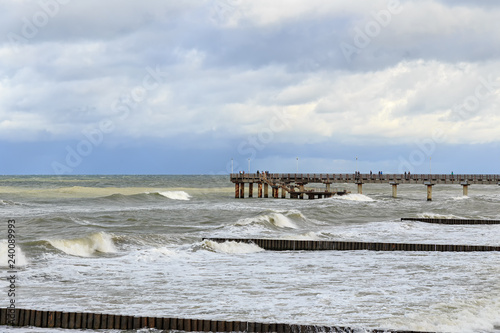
x=325, y=178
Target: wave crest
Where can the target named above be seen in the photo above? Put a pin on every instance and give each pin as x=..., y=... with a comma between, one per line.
x=354, y=197
x=176, y=195
x=86, y=246
x=20, y=258
x=277, y=220
x=231, y=247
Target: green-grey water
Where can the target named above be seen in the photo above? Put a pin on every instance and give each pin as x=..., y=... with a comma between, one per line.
x=132, y=245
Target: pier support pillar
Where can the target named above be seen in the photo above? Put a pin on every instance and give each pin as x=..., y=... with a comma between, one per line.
x=301, y=189
x=242, y=190
x=465, y=189
x=236, y=190
x=266, y=190
x=259, y=190
x=250, y=190
x=360, y=188
x=328, y=187
x=394, y=190
x=429, y=191
x=283, y=192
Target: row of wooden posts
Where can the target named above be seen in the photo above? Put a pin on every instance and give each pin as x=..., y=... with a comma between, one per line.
x=263, y=191
x=450, y=221
x=311, y=245
x=95, y=321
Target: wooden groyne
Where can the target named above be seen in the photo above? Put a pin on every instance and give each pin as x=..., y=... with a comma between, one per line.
x=294, y=184
x=450, y=221
x=95, y=321
x=311, y=245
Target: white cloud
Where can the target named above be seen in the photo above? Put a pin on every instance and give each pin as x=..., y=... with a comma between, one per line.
x=262, y=58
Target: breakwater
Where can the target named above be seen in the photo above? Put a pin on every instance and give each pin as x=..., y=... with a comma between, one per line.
x=450, y=221
x=311, y=245
x=95, y=321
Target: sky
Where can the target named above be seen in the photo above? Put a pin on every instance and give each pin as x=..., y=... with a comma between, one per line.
x=214, y=86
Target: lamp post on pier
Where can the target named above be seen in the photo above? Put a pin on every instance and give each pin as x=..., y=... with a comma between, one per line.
x=232, y=170
x=297, y=165
x=248, y=165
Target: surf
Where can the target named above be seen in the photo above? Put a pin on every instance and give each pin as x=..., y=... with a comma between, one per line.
x=87, y=246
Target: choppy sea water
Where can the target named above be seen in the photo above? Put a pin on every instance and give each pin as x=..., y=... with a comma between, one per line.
x=132, y=245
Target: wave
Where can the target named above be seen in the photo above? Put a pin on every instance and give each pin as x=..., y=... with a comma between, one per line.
x=86, y=246
x=480, y=315
x=175, y=195
x=276, y=220
x=9, y=203
x=231, y=247
x=463, y=197
x=354, y=197
x=307, y=236
x=20, y=258
x=439, y=216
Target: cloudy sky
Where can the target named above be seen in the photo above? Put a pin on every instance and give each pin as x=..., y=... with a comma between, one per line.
x=184, y=87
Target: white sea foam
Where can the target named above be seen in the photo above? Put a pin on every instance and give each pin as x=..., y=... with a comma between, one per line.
x=438, y=216
x=176, y=195
x=480, y=315
x=307, y=236
x=275, y=219
x=232, y=247
x=463, y=197
x=20, y=258
x=86, y=246
x=354, y=197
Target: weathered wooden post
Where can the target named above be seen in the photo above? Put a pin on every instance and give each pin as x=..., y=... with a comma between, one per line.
x=242, y=190
x=429, y=191
x=394, y=189
x=465, y=187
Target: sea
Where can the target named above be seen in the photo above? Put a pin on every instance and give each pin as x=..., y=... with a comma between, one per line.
x=132, y=245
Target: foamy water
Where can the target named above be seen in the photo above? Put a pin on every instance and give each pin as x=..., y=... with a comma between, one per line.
x=5, y=255
x=176, y=195
x=232, y=247
x=133, y=245
x=86, y=246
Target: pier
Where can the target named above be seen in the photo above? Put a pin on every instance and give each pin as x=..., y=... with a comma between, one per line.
x=293, y=184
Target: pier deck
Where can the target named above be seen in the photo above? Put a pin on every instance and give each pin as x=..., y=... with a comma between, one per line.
x=293, y=183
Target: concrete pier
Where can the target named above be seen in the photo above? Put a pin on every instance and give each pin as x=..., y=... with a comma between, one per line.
x=294, y=183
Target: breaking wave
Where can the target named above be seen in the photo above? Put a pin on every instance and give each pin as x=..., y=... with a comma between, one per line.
x=354, y=197
x=86, y=246
x=277, y=220
x=20, y=258
x=439, y=216
x=231, y=247
x=176, y=195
